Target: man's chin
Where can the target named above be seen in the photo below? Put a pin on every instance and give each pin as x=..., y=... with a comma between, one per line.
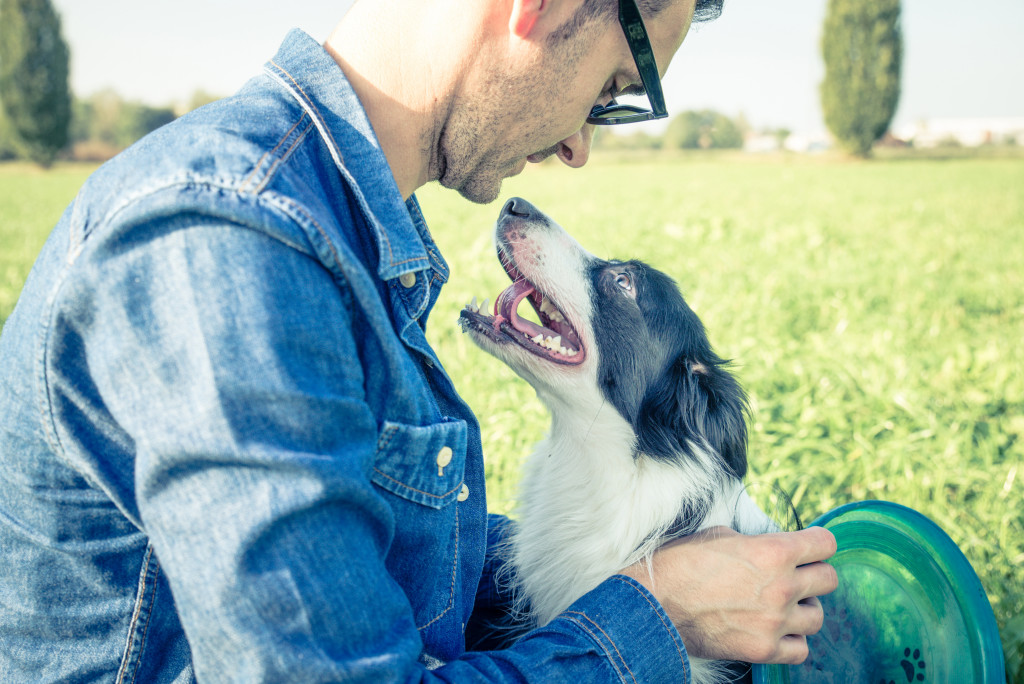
x=484, y=188
x=477, y=190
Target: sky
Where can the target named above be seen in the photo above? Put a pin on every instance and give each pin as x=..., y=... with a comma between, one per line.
x=761, y=58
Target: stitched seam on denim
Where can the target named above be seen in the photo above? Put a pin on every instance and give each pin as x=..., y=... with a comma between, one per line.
x=136, y=612
x=199, y=182
x=599, y=642
x=269, y=153
x=671, y=632
x=149, y=616
x=43, y=390
x=284, y=158
x=383, y=443
x=290, y=203
x=337, y=149
x=455, y=566
x=48, y=421
x=418, y=491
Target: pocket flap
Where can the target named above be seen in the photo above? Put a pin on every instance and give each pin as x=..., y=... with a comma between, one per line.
x=409, y=461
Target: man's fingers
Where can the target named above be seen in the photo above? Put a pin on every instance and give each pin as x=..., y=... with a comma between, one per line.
x=808, y=617
x=817, y=579
x=817, y=544
x=792, y=651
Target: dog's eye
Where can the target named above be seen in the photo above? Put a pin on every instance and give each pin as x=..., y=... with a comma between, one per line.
x=625, y=281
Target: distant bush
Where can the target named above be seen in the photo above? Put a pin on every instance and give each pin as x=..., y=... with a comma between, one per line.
x=704, y=130
x=107, y=122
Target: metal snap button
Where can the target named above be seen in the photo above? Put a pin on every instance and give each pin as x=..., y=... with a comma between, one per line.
x=407, y=279
x=464, y=494
x=444, y=457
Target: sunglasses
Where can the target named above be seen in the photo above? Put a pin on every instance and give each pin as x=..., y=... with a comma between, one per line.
x=643, y=55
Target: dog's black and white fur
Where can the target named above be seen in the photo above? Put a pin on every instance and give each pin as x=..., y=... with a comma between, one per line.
x=648, y=435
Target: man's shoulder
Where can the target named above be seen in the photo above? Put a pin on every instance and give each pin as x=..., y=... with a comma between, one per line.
x=253, y=158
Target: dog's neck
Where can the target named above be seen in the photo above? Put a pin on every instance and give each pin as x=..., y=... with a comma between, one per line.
x=586, y=492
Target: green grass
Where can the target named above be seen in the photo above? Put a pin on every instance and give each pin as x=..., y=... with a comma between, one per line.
x=31, y=202
x=875, y=313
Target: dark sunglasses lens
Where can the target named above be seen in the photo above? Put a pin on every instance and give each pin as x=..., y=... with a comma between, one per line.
x=618, y=113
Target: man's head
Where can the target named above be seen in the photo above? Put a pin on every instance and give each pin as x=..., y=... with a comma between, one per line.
x=467, y=91
x=530, y=99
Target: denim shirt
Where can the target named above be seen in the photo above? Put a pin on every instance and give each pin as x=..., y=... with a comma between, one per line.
x=227, y=452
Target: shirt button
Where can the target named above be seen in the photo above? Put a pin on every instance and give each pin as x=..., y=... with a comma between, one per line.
x=444, y=457
x=464, y=494
x=407, y=279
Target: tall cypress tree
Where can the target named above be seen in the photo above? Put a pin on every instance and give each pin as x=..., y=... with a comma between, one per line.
x=34, y=89
x=862, y=46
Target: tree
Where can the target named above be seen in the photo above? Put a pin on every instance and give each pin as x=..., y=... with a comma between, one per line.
x=34, y=89
x=705, y=129
x=863, y=49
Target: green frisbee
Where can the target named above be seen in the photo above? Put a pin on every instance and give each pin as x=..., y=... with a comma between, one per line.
x=909, y=607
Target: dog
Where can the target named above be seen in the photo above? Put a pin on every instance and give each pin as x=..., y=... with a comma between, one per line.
x=648, y=438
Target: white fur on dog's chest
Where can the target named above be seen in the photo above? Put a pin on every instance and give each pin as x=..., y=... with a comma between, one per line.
x=588, y=507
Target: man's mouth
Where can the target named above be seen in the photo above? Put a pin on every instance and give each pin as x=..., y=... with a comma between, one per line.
x=538, y=157
x=553, y=339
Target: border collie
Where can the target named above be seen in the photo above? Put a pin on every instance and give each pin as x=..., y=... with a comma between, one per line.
x=648, y=435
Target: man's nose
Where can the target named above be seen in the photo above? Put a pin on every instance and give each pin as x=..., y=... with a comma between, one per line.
x=575, y=150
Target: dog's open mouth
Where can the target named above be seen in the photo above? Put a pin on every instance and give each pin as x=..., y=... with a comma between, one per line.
x=553, y=339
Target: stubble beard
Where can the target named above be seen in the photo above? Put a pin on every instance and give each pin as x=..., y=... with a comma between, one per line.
x=471, y=160
x=468, y=159
x=468, y=162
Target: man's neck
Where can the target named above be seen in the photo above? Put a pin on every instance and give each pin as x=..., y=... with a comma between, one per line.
x=402, y=59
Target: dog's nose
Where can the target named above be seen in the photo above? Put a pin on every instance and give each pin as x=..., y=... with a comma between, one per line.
x=517, y=206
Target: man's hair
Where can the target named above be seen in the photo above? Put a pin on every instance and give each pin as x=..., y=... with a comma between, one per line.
x=704, y=10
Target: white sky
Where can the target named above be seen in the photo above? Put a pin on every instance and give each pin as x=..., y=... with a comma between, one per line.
x=761, y=58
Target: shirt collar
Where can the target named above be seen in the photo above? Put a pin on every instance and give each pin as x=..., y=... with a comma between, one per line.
x=316, y=81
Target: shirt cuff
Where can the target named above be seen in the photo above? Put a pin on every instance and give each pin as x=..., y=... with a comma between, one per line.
x=632, y=629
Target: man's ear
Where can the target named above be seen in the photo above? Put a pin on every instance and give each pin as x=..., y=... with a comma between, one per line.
x=524, y=16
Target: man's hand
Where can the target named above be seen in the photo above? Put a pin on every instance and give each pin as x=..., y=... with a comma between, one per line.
x=737, y=597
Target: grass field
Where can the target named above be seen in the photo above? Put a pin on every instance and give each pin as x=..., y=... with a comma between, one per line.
x=875, y=313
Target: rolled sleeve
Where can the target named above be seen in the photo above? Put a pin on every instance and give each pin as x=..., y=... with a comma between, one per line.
x=629, y=626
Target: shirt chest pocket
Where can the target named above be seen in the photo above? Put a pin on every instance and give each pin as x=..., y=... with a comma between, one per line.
x=421, y=469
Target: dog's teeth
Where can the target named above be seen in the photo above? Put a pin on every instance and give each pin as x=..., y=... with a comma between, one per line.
x=563, y=351
x=549, y=310
x=483, y=307
x=572, y=352
x=472, y=306
x=539, y=339
x=556, y=343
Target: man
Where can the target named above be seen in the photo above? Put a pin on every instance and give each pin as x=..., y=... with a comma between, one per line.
x=228, y=452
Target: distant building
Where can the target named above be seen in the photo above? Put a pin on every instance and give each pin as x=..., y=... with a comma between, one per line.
x=968, y=132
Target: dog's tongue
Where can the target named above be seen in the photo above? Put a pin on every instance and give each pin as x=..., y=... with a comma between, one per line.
x=508, y=301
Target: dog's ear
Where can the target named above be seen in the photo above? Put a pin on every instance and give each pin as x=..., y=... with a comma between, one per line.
x=692, y=406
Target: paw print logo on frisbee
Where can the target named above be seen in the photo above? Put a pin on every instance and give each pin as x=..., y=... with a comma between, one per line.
x=914, y=669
